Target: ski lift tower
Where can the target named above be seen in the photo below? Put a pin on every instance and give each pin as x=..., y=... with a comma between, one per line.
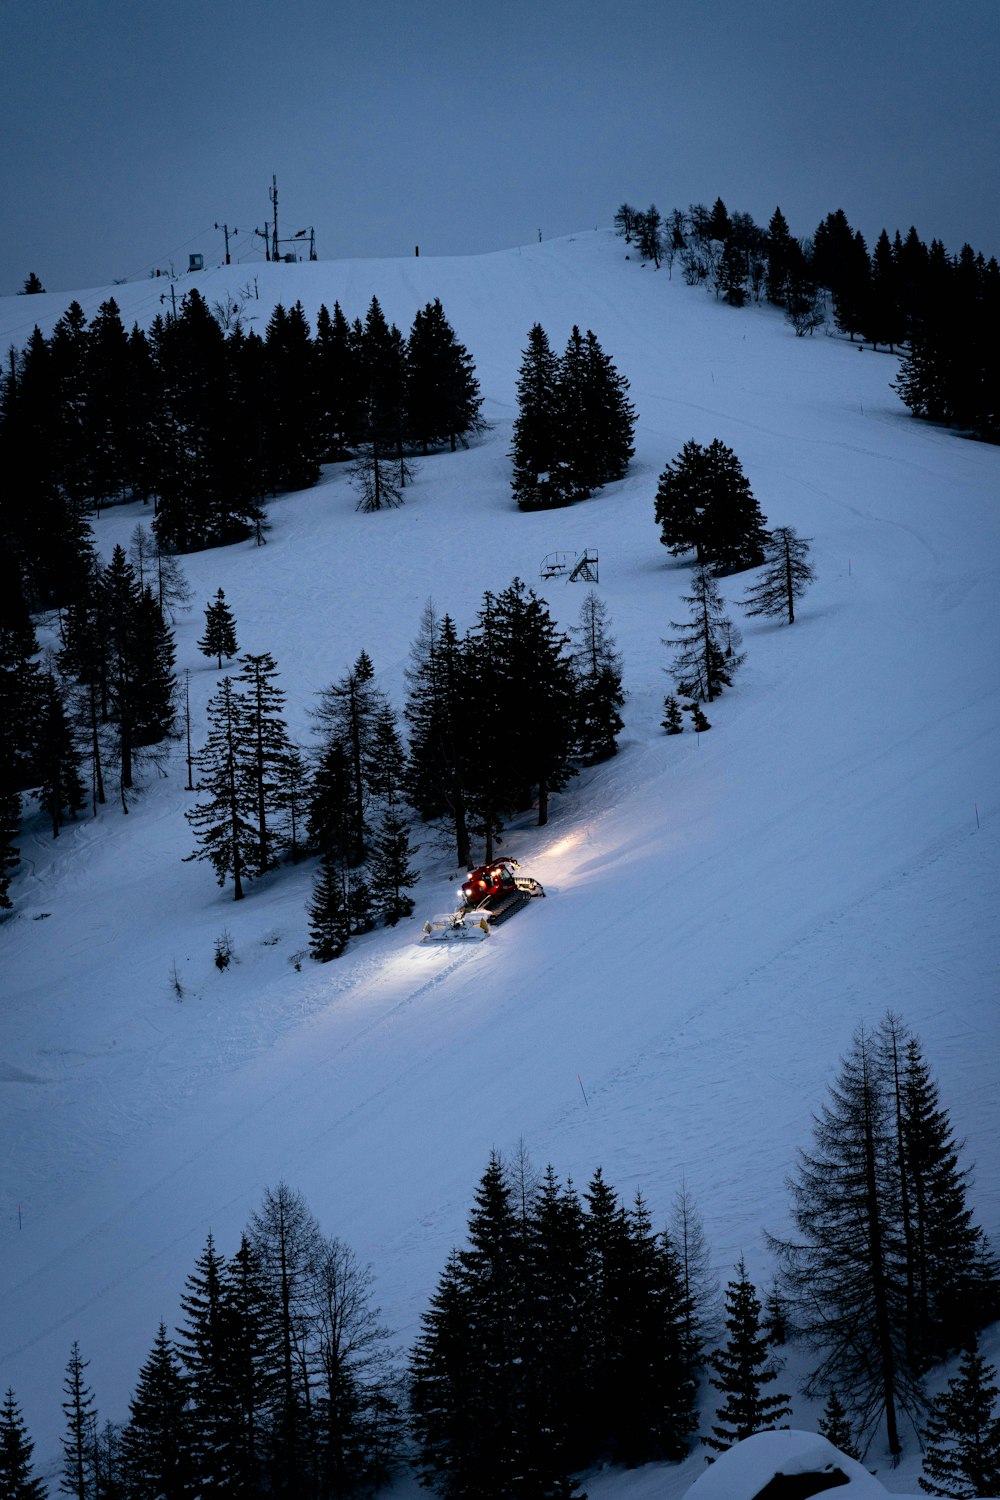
x=575, y=567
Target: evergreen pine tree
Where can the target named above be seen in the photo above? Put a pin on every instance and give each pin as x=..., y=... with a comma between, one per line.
x=962, y=1434
x=267, y=746
x=657, y=1381
x=597, y=669
x=328, y=821
x=293, y=799
x=743, y=1370
x=250, y=1334
x=532, y=687
x=225, y=824
x=442, y=392
x=16, y=1479
x=557, y=1267
x=443, y=1374
x=954, y=1280
x=219, y=639
x=699, y=1283
x=698, y=721
x=786, y=578
x=673, y=719
x=485, y=1437
x=836, y=1428
x=845, y=1273
x=360, y=901
x=60, y=790
x=540, y=478
x=435, y=775
x=288, y=1244
x=606, y=1241
x=336, y=365
x=293, y=422
x=329, y=919
x=81, y=1418
x=681, y=499
x=205, y=1345
x=156, y=1448
x=346, y=715
x=705, y=659
x=10, y=854
x=390, y=871
x=778, y=258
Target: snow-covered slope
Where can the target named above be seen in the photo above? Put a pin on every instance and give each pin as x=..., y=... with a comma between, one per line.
x=724, y=911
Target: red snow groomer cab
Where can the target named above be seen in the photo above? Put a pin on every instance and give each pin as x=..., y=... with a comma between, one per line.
x=489, y=895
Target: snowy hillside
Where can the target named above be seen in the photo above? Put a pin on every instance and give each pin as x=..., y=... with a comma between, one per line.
x=723, y=911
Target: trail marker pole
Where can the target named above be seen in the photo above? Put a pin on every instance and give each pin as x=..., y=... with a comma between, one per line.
x=583, y=1091
x=976, y=806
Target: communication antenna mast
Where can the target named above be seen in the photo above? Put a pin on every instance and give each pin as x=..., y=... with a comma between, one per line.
x=274, y=201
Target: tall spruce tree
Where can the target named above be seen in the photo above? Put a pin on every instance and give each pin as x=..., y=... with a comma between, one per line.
x=156, y=1444
x=267, y=745
x=219, y=639
x=346, y=716
x=962, y=1434
x=845, y=1273
x=60, y=790
x=706, y=656
x=17, y=1482
x=742, y=1371
x=390, y=872
x=225, y=823
x=442, y=393
x=953, y=1279
x=250, y=1335
x=541, y=479
x=81, y=1417
x=336, y=365
x=288, y=1244
x=597, y=668
x=704, y=502
x=205, y=1345
x=835, y=1426
x=482, y=1434
x=436, y=776
x=786, y=577
x=10, y=854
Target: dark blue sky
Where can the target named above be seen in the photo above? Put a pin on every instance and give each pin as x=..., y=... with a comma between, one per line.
x=130, y=128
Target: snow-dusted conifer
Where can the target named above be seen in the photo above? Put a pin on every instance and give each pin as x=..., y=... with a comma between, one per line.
x=743, y=1370
x=225, y=824
x=17, y=1482
x=156, y=1455
x=786, y=576
x=962, y=1434
x=329, y=919
x=81, y=1416
x=706, y=657
x=597, y=668
x=835, y=1426
x=219, y=639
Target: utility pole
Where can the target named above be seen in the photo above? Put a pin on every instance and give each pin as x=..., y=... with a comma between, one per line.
x=274, y=201
x=312, y=244
x=227, y=232
x=264, y=234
